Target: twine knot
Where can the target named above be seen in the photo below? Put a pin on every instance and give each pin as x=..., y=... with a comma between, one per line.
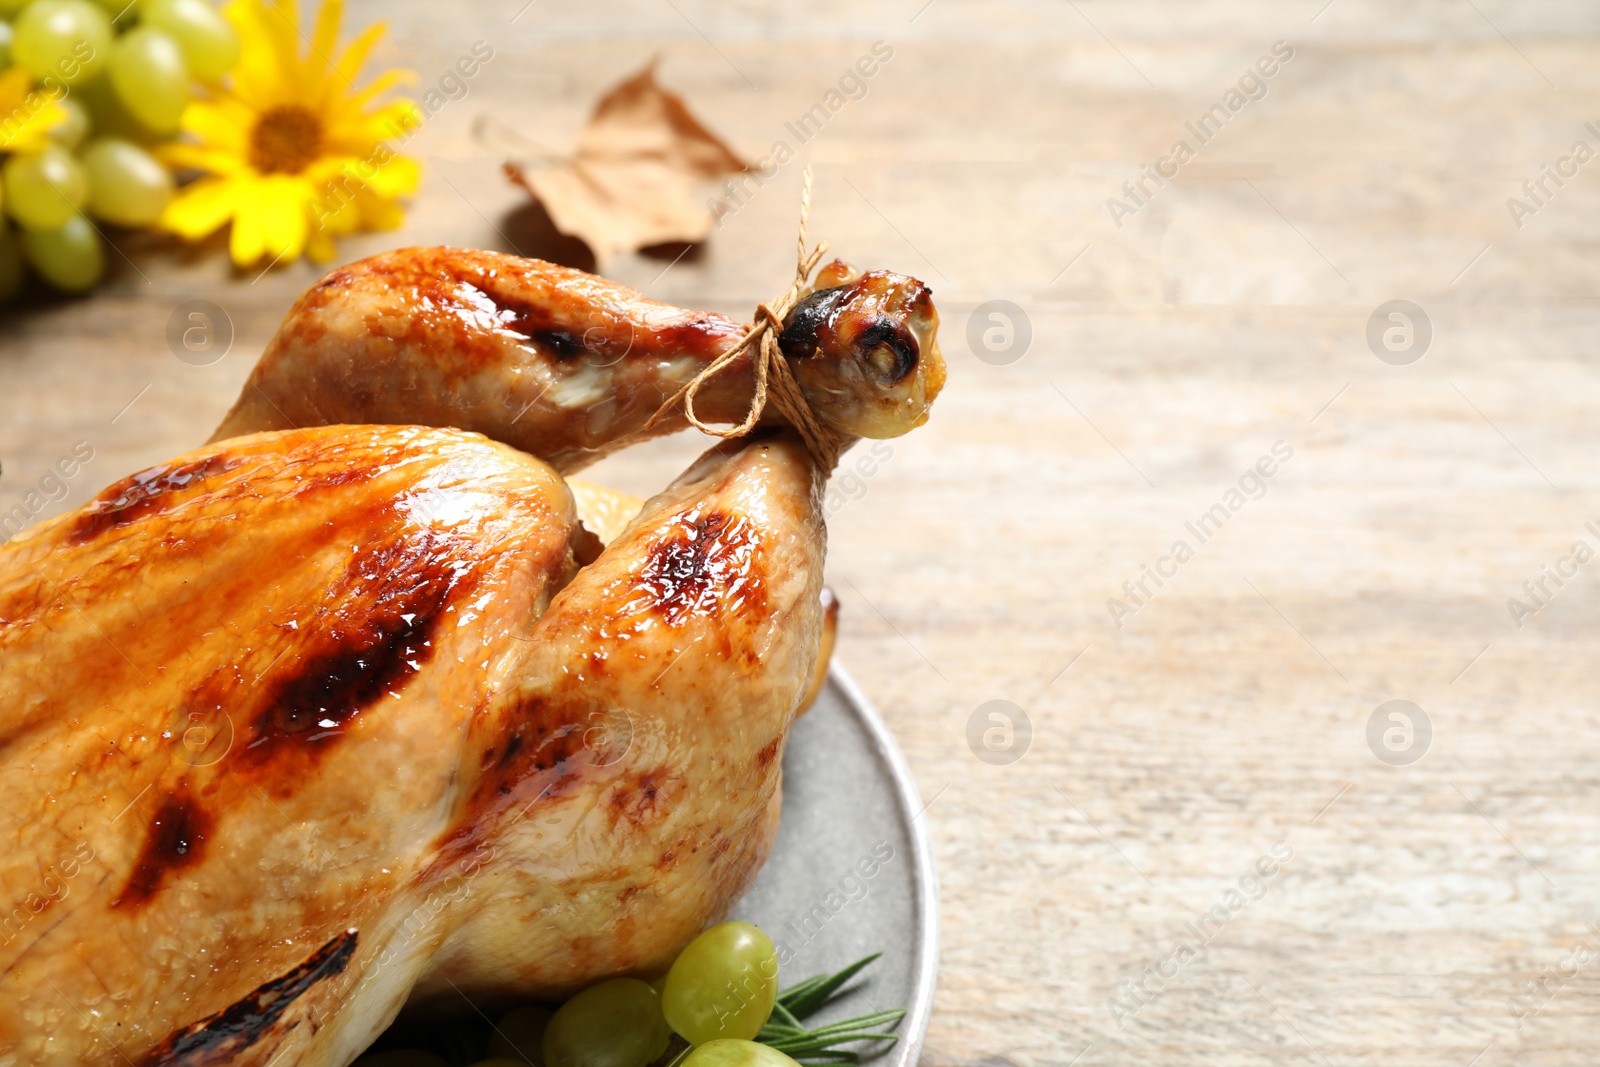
x=775, y=380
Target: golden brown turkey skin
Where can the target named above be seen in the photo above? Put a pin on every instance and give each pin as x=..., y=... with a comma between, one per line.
x=566, y=365
x=302, y=722
x=606, y=512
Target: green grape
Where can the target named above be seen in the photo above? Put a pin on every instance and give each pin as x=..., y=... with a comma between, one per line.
x=519, y=1035
x=732, y=1052
x=5, y=45
x=722, y=985
x=614, y=1024
x=499, y=1061
x=127, y=186
x=70, y=132
x=122, y=12
x=65, y=40
x=110, y=118
x=402, y=1057
x=12, y=271
x=68, y=258
x=148, y=73
x=210, y=45
x=44, y=189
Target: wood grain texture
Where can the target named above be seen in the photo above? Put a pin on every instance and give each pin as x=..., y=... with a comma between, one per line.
x=1228, y=313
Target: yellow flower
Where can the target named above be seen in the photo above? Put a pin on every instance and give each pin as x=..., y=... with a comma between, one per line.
x=293, y=154
x=25, y=118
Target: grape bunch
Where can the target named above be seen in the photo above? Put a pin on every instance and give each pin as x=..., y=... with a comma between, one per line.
x=122, y=72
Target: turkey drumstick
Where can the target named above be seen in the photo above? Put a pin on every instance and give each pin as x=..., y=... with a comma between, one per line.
x=567, y=366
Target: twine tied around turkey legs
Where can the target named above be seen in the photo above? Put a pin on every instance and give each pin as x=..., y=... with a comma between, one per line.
x=775, y=380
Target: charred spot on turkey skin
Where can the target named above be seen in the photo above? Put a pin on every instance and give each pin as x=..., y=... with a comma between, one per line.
x=382, y=635
x=478, y=304
x=889, y=349
x=884, y=344
x=543, y=759
x=220, y=1038
x=176, y=839
x=802, y=332
x=146, y=492
x=706, y=563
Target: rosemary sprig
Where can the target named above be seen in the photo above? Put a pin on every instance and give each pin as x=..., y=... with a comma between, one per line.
x=804, y=998
x=785, y=1032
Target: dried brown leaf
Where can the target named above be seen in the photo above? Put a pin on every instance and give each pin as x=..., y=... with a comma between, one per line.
x=631, y=181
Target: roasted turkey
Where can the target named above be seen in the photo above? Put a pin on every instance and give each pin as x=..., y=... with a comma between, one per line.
x=348, y=709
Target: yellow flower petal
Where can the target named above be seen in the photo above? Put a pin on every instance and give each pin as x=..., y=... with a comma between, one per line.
x=385, y=173
x=283, y=205
x=222, y=123
x=320, y=247
x=13, y=87
x=379, y=213
x=396, y=120
x=377, y=87
x=325, y=37
x=249, y=226
x=282, y=23
x=198, y=157
x=327, y=169
x=336, y=214
x=254, y=60
x=355, y=56
x=30, y=133
x=203, y=206
x=334, y=195
x=268, y=70
x=25, y=118
x=400, y=176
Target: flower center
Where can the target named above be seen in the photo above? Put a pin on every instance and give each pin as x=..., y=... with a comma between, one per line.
x=285, y=139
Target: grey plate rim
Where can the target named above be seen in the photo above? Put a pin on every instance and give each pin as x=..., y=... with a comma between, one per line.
x=926, y=878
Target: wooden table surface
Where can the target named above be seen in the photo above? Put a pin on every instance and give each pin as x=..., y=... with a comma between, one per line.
x=1432, y=912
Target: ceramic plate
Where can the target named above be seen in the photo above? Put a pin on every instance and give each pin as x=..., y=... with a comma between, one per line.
x=851, y=873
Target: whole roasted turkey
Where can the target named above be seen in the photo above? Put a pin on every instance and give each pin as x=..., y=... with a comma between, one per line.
x=348, y=709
